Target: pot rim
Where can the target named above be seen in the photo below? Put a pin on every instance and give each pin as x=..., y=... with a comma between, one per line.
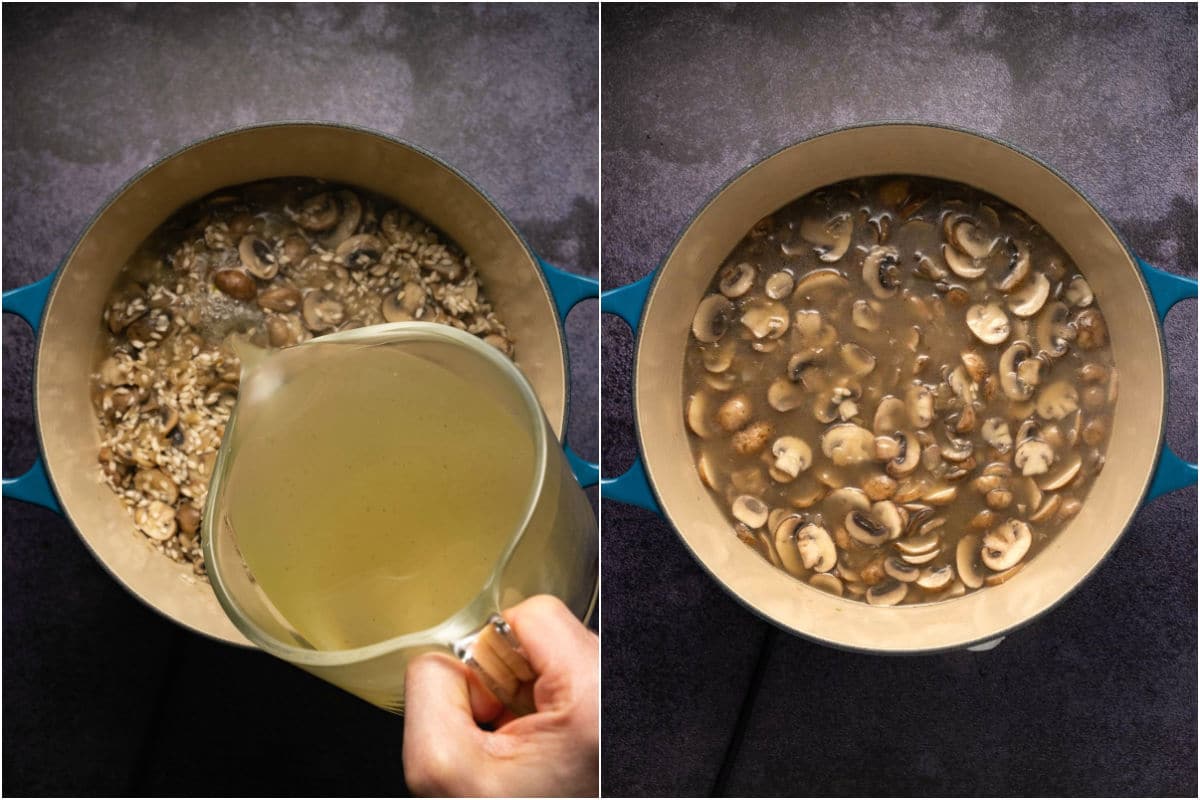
x=640, y=338
x=157, y=162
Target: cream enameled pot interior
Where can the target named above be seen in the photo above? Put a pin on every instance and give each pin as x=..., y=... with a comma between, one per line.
x=913, y=150
x=70, y=332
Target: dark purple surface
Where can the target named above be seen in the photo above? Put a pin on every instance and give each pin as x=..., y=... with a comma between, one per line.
x=1099, y=696
x=101, y=695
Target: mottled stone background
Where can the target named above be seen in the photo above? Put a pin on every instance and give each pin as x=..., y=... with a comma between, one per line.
x=700, y=696
x=101, y=695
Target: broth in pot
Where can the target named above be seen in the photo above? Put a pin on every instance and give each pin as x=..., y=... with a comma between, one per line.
x=900, y=389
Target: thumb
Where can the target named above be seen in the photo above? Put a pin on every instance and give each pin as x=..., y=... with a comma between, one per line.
x=440, y=732
x=562, y=652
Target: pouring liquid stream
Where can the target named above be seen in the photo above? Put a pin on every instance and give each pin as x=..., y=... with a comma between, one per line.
x=371, y=491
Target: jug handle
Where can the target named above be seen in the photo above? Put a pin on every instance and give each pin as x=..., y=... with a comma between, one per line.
x=1171, y=472
x=29, y=303
x=495, y=656
x=632, y=487
x=568, y=291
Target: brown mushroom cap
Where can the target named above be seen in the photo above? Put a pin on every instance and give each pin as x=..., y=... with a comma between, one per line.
x=258, y=257
x=712, y=318
x=736, y=279
x=322, y=311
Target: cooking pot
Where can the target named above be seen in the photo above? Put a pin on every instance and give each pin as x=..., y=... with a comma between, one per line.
x=1134, y=296
x=64, y=309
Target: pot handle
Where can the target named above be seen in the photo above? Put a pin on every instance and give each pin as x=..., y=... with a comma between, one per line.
x=568, y=290
x=1167, y=289
x=633, y=487
x=28, y=303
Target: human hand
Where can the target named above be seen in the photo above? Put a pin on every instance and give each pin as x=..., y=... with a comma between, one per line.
x=554, y=751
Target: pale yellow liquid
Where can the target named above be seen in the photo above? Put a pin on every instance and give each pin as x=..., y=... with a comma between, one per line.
x=373, y=492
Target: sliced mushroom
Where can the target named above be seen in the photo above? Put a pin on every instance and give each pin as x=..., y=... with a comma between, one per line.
x=360, y=252
x=280, y=298
x=1033, y=457
x=319, y=213
x=1029, y=299
x=1005, y=545
x=156, y=485
x=891, y=516
x=940, y=495
x=1047, y=509
x=784, y=539
x=961, y=384
x=322, y=311
x=879, y=487
x=919, y=401
x=848, y=444
x=780, y=285
x=734, y=413
x=750, y=511
x=864, y=315
x=1057, y=400
x=766, y=320
x=857, y=358
x=258, y=258
x=736, y=279
x=707, y=472
x=961, y=265
x=841, y=501
x=901, y=570
x=936, y=579
x=347, y=224
x=966, y=559
x=293, y=250
x=156, y=520
x=826, y=583
x=1062, y=475
x=922, y=544
x=1091, y=329
x=752, y=438
x=279, y=332
x=863, y=527
x=817, y=550
x=967, y=236
x=1078, y=293
x=887, y=593
x=975, y=364
x=1017, y=268
x=720, y=357
x=881, y=271
x=1054, y=334
x=832, y=236
x=891, y=415
x=792, y=455
x=996, y=433
x=1002, y=577
x=820, y=280
x=783, y=395
x=236, y=283
x=907, y=457
x=712, y=318
x=1013, y=375
x=699, y=414
x=989, y=323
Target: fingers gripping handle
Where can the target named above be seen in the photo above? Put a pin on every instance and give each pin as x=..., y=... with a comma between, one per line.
x=495, y=655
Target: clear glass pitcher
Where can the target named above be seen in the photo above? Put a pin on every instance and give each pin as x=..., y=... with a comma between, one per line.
x=553, y=550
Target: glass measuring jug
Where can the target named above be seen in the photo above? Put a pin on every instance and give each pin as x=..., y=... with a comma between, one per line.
x=352, y=603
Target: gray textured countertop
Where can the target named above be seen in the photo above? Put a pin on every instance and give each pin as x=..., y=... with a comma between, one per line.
x=102, y=696
x=700, y=696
